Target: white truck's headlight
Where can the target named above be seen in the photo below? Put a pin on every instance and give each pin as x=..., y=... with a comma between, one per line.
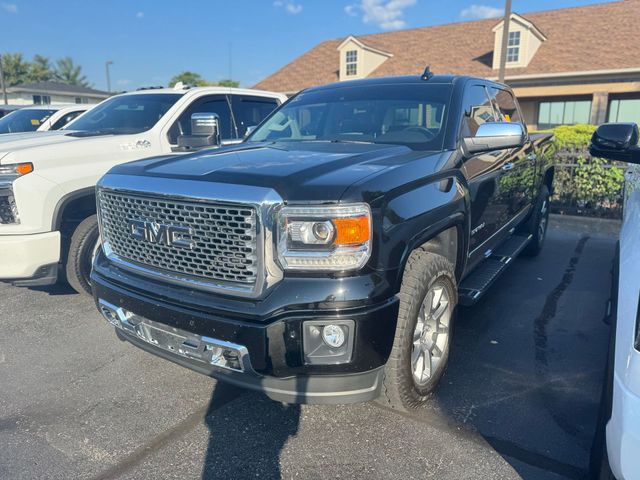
x=8, y=174
x=326, y=238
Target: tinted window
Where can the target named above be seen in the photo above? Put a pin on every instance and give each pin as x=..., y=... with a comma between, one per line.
x=477, y=110
x=251, y=111
x=27, y=120
x=126, y=113
x=551, y=114
x=409, y=114
x=211, y=104
x=505, y=105
x=61, y=122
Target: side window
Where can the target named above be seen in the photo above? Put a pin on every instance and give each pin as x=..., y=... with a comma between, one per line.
x=477, y=110
x=506, y=105
x=210, y=104
x=250, y=111
x=64, y=120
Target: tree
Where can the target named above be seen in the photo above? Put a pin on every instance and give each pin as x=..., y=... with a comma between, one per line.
x=16, y=69
x=227, y=82
x=195, y=80
x=68, y=72
x=40, y=70
x=189, y=78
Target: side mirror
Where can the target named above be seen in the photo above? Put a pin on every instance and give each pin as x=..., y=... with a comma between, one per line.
x=205, y=132
x=249, y=130
x=495, y=136
x=616, y=141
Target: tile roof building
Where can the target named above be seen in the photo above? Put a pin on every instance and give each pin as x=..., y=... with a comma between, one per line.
x=573, y=65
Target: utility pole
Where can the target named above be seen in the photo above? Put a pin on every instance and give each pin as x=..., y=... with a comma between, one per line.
x=107, y=63
x=2, y=84
x=505, y=40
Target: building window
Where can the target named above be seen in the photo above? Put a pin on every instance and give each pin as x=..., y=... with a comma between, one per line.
x=82, y=100
x=41, y=100
x=352, y=62
x=624, y=110
x=551, y=114
x=513, y=47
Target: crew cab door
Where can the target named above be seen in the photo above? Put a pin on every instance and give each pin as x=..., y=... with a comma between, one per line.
x=517, y=183
x=250, y=111
x=219, y=104
x=484, y=173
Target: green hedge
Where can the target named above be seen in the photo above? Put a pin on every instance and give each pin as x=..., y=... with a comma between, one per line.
x=584, y=185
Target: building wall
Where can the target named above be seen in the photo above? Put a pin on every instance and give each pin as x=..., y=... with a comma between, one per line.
x=599, y=94
x=21, y=98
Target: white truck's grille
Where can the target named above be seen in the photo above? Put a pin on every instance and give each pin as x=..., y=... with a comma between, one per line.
x=206, y=241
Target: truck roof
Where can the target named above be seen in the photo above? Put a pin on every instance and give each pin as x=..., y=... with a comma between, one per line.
x=213, y=90
x=405, y=79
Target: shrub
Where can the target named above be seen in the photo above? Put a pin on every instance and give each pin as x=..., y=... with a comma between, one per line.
x=583, y=185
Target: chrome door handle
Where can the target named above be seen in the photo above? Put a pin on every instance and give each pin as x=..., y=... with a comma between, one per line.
x=532, y=156
x=507, y=166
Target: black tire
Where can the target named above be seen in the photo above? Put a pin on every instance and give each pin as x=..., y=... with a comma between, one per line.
x=538, y=223
x=80, y=255
x=424, y=270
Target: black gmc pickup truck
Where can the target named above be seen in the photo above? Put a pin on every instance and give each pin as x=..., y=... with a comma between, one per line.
x=321, y=260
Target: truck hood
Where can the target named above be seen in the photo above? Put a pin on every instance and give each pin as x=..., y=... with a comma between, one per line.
x=12, y=142
x=12, y=137
x=299, y=171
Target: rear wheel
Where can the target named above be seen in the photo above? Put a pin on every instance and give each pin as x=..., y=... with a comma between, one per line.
x=83, y=247
x=423, y=334
x=539, y=223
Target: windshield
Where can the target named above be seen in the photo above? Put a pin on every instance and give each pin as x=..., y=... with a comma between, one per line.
x=404, y=114
x=125, y=114
x=27, y=120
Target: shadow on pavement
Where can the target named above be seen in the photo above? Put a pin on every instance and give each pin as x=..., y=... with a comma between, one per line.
x=58, y=289
x=246, y=441
x=527, y=362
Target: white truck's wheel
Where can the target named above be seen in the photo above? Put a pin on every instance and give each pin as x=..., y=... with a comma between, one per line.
x=84, y=243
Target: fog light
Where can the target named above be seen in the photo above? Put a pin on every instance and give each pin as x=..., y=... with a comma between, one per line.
x=333, y=335
x=328, y=342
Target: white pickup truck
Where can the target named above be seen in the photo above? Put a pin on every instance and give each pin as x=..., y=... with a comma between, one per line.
x=48, y=226
x=40, y=118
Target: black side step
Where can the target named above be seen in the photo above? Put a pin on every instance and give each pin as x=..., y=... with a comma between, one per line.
x=474, y=286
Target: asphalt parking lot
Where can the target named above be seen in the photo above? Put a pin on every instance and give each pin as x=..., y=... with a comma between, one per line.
x=519, y=399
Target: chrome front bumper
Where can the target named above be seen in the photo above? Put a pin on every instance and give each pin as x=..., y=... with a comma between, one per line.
x=231, y=362
x=209, y=351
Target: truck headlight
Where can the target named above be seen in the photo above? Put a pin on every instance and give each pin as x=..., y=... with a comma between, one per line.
x=325, y=238
x=8, y=207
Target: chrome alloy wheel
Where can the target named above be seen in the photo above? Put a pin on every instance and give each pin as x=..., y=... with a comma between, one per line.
x=431, y=335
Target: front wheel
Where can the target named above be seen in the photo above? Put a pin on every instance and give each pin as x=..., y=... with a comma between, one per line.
x=83, y=247
x=421, y=345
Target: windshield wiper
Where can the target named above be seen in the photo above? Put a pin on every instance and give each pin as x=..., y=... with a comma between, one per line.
x=335, y=140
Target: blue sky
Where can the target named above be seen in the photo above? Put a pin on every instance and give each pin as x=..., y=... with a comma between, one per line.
x=151, y=40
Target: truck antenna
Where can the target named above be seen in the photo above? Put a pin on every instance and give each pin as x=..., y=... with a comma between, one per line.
x=427, y=73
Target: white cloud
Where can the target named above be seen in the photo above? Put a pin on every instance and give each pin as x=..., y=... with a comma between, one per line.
x=386, y=14
x=289, y=5
x=140, y=15
x=123, y=82
x=476, y=12
x=9, y=7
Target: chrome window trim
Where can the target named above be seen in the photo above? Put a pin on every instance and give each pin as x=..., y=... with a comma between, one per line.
x=265, y=201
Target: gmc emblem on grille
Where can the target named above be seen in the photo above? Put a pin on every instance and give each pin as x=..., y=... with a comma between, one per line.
x=170, y=235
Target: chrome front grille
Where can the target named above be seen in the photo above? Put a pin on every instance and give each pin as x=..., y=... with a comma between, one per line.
x=210, y=242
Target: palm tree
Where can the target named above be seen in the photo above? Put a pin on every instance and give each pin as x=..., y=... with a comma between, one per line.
x=67, y=72
x=40, y=69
